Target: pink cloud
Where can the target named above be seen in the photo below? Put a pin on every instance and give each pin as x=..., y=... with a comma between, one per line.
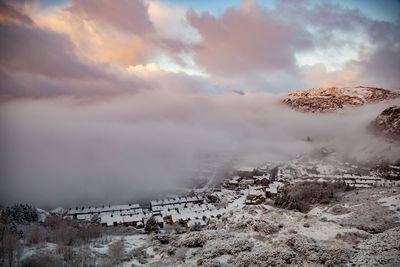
x=127, y=15
x=246, y=39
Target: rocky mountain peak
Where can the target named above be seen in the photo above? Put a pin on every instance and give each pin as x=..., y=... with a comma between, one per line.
x=322, y=100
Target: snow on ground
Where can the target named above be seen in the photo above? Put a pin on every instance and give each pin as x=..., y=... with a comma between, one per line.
x=320, y=230
x=37, y=249
x=392, y=203
x=237, y=204
x=323, y=212
x=354, y=217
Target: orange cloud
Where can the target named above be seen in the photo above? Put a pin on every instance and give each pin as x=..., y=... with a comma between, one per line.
x=14, y=13
x=91, y=40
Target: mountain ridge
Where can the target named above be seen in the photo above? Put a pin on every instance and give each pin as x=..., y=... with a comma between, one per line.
x=326, y=100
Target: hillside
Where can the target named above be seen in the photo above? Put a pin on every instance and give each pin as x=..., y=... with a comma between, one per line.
x=322, y=100
x=387, y=124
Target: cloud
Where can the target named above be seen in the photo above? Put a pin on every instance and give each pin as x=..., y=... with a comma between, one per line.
x=382, y=68
x=246, y=39
x=39, y=62
x=123, y=15
x=294, y=37
x=38, y=51
x=13, y=12
x=65, y=152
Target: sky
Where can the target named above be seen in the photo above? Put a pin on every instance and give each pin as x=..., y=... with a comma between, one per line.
x=111, y=101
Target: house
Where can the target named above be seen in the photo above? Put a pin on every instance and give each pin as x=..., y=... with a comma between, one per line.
x=233, y=184
x=261, y=177
x=272, y=190
x=263, y=181
x=245, y=183
x=177, y=200
x=110, y=215
x=194, y=214
x=255, y=197
x=132, y=208
x=115, y=219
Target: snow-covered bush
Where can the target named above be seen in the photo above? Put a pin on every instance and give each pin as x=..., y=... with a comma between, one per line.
x=208, y=263
x=163, y=238
x=265, y=228
x=318, y=252
x=231, y=246
x=352, y=237
x=196, y=227
x=198, y=239
x=267, y=256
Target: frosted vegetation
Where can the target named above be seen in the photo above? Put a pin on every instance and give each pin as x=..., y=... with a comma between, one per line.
x=335, y=228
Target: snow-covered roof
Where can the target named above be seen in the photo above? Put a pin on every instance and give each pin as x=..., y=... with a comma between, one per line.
x=42, y=214
x=85, y=217
x=176, y=200
x=256, y=192
x=109, y=218
x=88, y=210
x=58, y=210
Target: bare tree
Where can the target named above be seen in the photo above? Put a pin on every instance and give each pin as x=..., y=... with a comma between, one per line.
x=116, y=250
x=12, y=248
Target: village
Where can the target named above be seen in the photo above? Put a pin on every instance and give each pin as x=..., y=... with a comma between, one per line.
x=246, y=187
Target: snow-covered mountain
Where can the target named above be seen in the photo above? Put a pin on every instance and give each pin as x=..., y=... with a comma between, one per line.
x=321, y=100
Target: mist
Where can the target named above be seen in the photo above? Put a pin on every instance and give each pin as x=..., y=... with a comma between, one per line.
x=127, y=101
x=66, y=151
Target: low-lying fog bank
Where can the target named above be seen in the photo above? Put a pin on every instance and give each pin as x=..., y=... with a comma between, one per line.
x=65, y=151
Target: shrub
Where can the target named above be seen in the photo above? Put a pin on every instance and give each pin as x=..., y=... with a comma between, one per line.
x=351, y=237
x=11, y=248
x=70, y=232
x=116, y=251
x=66, y=251
x=230, y=246
x=198, y=239
x=318, y=252
x=163, y=238
x=84, y=257
x=196, y=227
x=35, y=234
x=20, y=213
x=43, y=260
x=152, y=225
x=265, y=228
x=301, y=195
